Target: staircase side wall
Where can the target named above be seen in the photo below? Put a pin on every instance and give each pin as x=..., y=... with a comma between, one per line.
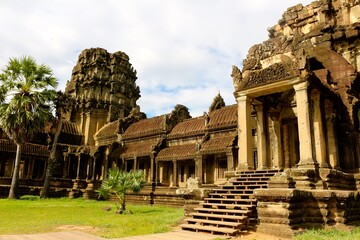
x=286, y=212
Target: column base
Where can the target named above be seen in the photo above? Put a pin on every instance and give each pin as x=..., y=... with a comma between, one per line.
x=244, y=167
x=308, y=163
x=305, y=178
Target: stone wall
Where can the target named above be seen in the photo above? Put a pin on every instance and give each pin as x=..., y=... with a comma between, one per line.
x=284, y=212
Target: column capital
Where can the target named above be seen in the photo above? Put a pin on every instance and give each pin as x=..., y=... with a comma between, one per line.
x=301, y=86
x=242, y=98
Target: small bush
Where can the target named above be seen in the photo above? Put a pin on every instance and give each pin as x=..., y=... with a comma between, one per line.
x=30, y=197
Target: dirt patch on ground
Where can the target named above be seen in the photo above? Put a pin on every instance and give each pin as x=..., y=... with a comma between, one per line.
x=258, y=236
x=86, y=229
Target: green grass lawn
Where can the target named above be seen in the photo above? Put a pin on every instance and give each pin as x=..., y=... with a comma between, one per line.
x=329, y=235
x=25, y=216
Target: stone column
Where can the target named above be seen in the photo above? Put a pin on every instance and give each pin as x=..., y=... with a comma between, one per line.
x=275, y=140
x=305, y=175
x=230, y=160
x=135, y=163
x=88, y=168
x=245, y=135
x=29, y=169
x=319, y=138
x=66, y=166
x=105, y=164
x=87, y=136
x=261, y=137
x=286, y=145
x=199, y=167
x=93, y=177
x=78, y=166
x=174, y=173
x=331, y=138
x=304, y=126
x=152, y=167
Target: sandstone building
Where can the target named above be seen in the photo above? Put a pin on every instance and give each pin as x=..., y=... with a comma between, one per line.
x=283, y=159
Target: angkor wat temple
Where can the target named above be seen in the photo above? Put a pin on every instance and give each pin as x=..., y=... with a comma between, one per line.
x=286, y=157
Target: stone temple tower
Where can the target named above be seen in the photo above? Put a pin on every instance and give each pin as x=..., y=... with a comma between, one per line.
x=103, y=86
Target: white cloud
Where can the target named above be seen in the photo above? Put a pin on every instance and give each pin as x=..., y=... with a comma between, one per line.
x=182, y=49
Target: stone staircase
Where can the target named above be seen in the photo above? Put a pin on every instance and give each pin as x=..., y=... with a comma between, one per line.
x=231, y=207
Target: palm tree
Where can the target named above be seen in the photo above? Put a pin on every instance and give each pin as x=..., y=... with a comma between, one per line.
x=63, y=102
x=119, y=182
x=27, y=91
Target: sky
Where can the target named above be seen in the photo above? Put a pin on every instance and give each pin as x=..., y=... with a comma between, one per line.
x=182, y=50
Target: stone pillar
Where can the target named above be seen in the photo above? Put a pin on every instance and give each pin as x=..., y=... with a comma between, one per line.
x=199, y=168
x=87, y=136
x=152, y=168
x=78, y=166
x=135, y=164
x=30, y=168
x=174, y=184
x=319, y=138
x=94, y=169
x=286, y=145
x=275, y=140
x=245, y=134
x=88, y=168
x=105, y=165
x=305, y=175
x=331, y=138
x=230, y=160
x=304, y=126
x=66, y=166
x=261, y=137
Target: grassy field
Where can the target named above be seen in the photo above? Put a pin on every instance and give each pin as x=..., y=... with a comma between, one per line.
x=25, y=216
x=330, y=235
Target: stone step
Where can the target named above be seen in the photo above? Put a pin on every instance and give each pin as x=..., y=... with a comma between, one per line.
x=249, y=182
x=222, y=211
x=247, y=179
x=230, y=200
x=232, y=195
x=208, y=216
x=229, y=206
x=254, y=172
x=210, y=229
x=233, y=191
x=215, y=223
x=236, y=187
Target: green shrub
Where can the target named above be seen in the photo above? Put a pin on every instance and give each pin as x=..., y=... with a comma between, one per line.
x=30, y=197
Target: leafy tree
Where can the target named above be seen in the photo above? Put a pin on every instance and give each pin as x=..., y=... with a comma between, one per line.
x=63, y=103
x=26, y=94
x=119, y=182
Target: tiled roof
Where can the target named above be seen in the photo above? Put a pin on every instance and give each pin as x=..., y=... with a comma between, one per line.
x=145, y=127
x=108, y=130
x=136, y=149
x=218, y=144
x=223, y=117
x=189, y=127
x=28, y=148
x=180, y=152
x=70, y=128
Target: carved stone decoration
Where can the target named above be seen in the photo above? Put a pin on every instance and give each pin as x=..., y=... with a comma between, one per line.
x=177, y=115
x=217, y=103
x=104, y=87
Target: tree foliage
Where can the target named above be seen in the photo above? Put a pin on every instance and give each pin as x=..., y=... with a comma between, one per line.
x=26, y=97
x=119, y=182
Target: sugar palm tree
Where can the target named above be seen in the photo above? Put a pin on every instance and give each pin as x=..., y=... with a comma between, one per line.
x=119, y=182
x=63, y=102
x=27, y=91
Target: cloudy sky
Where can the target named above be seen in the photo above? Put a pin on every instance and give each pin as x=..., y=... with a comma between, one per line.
x=182, y=50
